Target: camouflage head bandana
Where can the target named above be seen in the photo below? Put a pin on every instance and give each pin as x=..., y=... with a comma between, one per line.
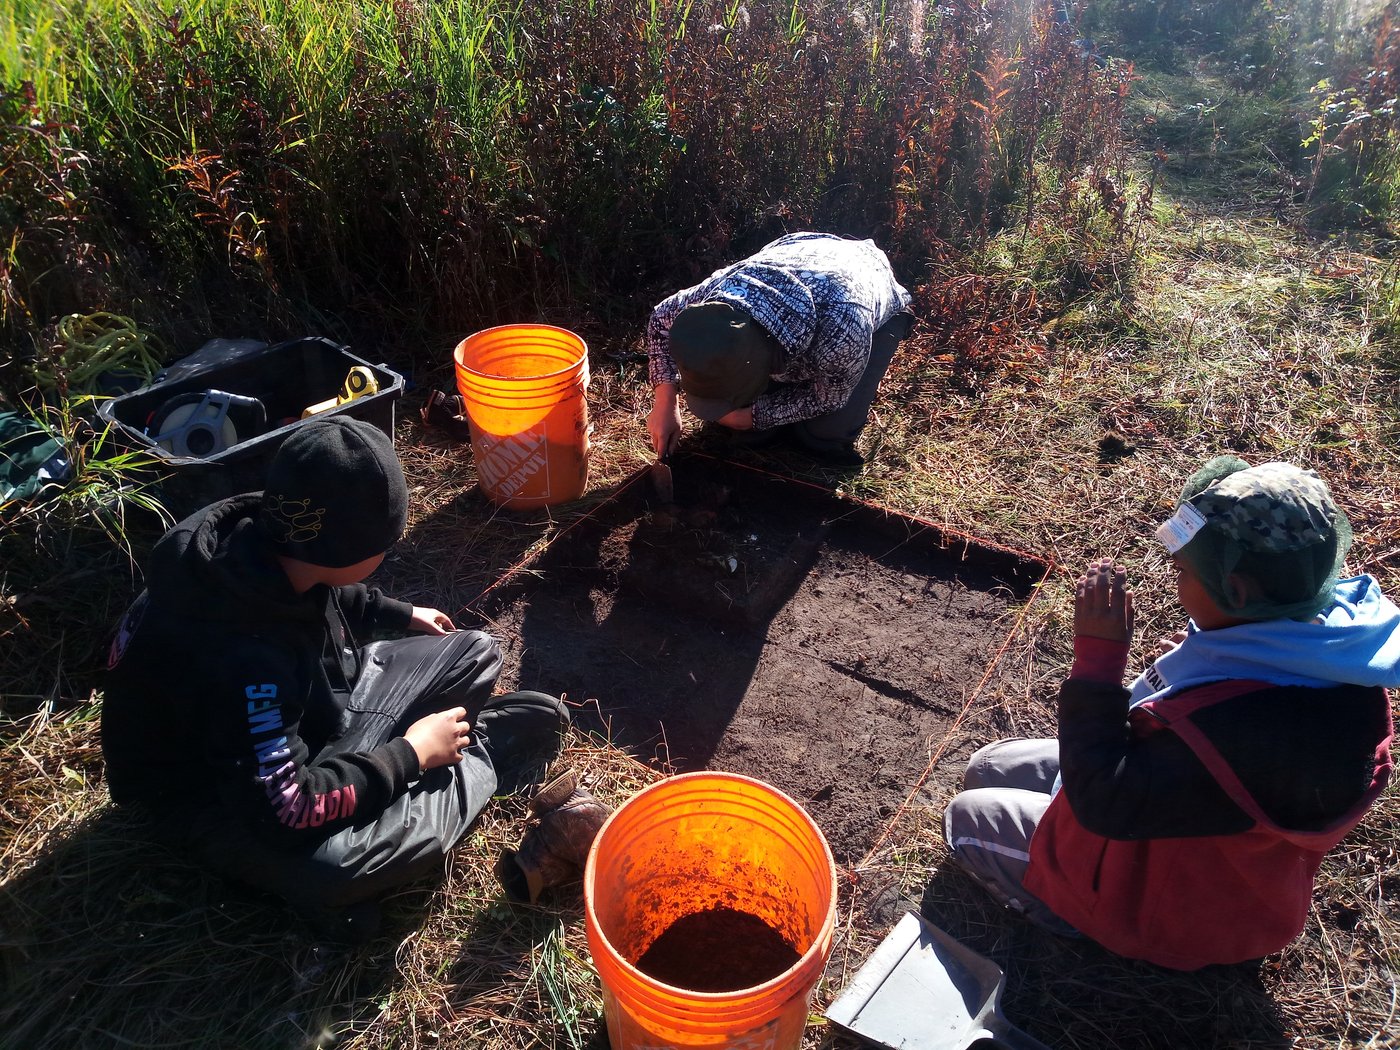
x=1274, y=524
x=1272, y=507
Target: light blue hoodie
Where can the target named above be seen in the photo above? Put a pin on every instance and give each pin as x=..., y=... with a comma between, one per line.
x=1355, y=640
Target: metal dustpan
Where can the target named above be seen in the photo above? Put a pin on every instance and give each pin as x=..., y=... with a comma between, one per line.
x=923, y=990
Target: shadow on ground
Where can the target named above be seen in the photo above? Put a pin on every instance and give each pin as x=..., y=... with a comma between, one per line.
x=1072, y=993
x=111, y=940
x=770, y=629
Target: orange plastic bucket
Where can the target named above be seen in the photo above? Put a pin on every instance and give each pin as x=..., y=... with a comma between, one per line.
x=690, y=844
x=522, y=387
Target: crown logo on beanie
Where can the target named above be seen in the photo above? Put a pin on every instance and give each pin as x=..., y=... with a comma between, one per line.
x=335, y=493
x=292, y=520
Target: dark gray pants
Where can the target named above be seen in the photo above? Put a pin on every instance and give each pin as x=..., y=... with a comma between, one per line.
x=841, y=427
x=401, y=682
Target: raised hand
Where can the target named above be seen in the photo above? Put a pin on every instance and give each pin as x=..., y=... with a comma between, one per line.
x=1103, y=605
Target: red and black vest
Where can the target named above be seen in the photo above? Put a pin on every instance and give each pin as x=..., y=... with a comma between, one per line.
x=1185, y=903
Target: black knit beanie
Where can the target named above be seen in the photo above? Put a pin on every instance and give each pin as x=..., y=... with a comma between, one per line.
x=335, y=493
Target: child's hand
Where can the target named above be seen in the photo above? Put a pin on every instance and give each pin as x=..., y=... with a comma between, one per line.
x=1103, y=605
x=430, y=621
x=438, y=738
x=1170, y=642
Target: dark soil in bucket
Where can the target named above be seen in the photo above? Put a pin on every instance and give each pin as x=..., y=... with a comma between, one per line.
x=770, y=628
x=719, y=950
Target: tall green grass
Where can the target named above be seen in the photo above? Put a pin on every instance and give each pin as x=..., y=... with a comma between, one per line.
x=1329, y=66
x=442, y=164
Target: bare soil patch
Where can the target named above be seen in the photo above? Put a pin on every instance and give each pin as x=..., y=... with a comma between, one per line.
x=771, y=628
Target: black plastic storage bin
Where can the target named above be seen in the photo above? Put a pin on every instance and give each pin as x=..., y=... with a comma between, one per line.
x=286, y=377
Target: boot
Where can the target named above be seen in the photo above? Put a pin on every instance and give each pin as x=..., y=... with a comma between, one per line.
x=446, y=412
x=564, y=820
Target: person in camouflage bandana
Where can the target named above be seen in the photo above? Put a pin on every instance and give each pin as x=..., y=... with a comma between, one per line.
x=1272, y=544
x=1182, y=819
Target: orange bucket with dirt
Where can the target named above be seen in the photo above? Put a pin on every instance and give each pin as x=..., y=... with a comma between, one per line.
x=522, y=388
x=734, y=867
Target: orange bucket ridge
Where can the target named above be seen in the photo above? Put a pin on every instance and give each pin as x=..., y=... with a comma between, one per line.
x=693, y=844
x=523, y=388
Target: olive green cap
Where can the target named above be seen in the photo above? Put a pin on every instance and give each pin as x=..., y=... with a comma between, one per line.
x=724, y=358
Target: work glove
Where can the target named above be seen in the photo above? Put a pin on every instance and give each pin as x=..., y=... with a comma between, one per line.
x=563, y=822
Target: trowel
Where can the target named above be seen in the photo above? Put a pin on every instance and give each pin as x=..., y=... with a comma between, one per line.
x=923, y=990
x=661, y=478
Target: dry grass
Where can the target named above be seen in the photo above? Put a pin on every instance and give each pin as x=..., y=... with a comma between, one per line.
x=1239, y=334
x=111, y=941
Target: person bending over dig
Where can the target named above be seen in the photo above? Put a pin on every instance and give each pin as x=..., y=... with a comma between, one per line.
x=1181, y=820
x=788, y=344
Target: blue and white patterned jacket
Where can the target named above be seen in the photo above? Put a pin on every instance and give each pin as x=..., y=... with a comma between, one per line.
x=820, y=296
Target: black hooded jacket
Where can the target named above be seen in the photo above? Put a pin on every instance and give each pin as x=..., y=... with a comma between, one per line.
x=224, y=686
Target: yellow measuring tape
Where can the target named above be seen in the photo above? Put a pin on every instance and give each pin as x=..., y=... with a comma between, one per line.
x=359, y=381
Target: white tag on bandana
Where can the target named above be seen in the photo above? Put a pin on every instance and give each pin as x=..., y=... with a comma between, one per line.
x=1177, y=531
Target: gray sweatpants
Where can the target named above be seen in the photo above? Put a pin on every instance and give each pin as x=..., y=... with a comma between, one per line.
x=989, y=824
x=402, y=681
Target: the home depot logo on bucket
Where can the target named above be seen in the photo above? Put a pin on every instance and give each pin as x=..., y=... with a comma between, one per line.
x=505, y=465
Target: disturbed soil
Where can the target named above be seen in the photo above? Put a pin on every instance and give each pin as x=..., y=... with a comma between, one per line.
x=770, y=628
x=718, y=950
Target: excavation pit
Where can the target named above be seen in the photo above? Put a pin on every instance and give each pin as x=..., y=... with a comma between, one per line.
x=772, y=628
